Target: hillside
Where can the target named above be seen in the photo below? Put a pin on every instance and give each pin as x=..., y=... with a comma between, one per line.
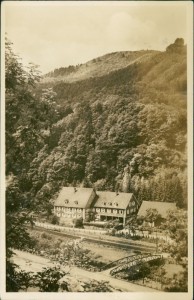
x=83, y=125
x=99, y=66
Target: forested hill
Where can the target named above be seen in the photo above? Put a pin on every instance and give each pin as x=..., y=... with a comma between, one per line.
x=98, y=66
x=83, y=125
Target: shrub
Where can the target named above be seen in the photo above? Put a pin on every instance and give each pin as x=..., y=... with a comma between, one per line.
x=55, y=220
x=78, y=223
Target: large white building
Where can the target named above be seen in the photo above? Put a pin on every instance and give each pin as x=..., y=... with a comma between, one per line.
x=73, y=203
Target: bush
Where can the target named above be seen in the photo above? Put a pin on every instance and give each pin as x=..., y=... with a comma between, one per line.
x=55, y=220
x=78, y=223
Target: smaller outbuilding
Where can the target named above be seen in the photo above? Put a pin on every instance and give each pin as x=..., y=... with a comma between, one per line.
x=162, y=209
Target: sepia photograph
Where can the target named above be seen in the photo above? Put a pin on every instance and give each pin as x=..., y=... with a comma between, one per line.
x=96, y=149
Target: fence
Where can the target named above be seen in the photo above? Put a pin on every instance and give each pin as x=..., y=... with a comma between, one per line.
x=145, y=233
x=69, y=229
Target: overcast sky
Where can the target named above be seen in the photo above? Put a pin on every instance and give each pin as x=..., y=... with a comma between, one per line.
x=55, y=35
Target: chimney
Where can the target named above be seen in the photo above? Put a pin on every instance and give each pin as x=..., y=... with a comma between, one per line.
x=75, y=190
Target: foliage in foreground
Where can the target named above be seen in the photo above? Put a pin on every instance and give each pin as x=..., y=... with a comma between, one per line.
x=51, y=280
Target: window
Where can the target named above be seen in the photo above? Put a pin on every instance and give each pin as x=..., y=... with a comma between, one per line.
x=109, y=211
x=121, y=212
x=66, y=201
x=110, y=203
x=76, y=202
x=102, y=210
x=104, y=203
x=98, y=209
x=114, y=211
x=79, y=210
x=115, y=203
x=128, y=211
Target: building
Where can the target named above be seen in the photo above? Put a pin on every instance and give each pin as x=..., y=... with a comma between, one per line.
x=111, y=206
x=73, y=202
x=162, y=208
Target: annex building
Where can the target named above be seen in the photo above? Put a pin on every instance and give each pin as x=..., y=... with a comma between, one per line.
x=162, y=208
x=74, y=202
x=110, y=206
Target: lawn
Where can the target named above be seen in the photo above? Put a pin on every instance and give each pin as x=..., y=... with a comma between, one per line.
x=84, y=254
x=106, y=254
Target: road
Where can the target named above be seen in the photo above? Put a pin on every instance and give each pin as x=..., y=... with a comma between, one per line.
x=34, y=263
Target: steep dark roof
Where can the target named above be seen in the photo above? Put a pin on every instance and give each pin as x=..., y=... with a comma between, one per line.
x=112, y=200
x=69, y=198
x=162, y=207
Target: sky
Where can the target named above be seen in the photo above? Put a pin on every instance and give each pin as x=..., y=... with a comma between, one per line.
x=59, y=34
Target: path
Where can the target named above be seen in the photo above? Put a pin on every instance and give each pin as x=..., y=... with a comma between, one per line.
x=35, y=263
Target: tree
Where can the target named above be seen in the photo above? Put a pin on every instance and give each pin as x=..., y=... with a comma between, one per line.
x=132, y=225
x=22, y=142
x=90, y=215
x=98, y=286
x=22, y=112
x=152, y=216
x=177, y=47
x=144, y=270
x=179, y=282
x=48, y=280
x=55, y=220
x=78, y=223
